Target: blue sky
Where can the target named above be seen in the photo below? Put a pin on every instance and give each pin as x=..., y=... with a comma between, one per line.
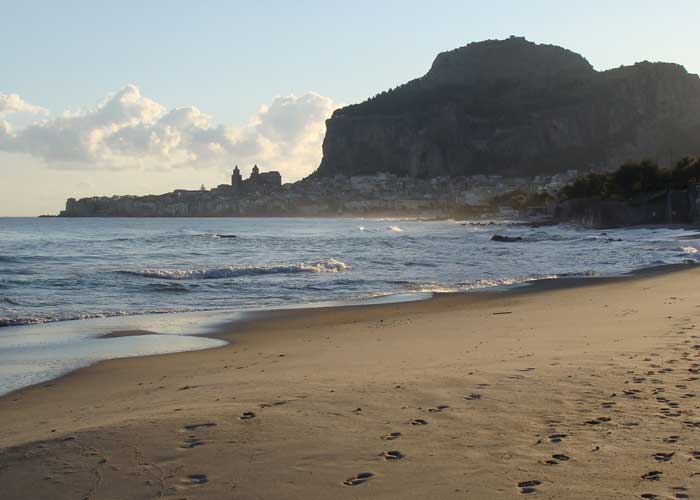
x=231, y=60
x=229, y=57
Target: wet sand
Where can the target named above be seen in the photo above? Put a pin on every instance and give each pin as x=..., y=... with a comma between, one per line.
x=126, y=333
x=561, y=391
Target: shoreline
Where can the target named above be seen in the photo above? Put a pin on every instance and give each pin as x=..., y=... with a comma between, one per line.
x=301, y=401
x=230, y=329
x=233, y=322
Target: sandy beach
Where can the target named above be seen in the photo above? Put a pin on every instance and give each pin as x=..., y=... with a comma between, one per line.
x=568, y=392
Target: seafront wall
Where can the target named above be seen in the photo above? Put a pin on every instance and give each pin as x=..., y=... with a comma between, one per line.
x=667, y=207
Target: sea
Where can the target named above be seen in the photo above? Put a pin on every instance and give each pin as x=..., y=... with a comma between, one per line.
x=65, y=283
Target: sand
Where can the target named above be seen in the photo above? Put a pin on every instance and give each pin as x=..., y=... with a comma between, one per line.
x=573, y=392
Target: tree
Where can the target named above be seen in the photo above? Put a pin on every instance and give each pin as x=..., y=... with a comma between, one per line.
x=635, y=178
x=630, y=180
x=685, y=172
x=588, y=186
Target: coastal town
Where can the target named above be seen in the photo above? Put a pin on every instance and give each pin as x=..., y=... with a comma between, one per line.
x=264, y=194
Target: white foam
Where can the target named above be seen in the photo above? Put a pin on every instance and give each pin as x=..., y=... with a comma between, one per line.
x=40, y=320
x=322, y=266
x=690, y=250
x=396, y=229
x=474, y=285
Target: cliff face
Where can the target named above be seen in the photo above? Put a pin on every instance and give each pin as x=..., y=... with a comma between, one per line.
x=513, y=107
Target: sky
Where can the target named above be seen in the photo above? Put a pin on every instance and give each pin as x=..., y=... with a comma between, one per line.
x=104, y=98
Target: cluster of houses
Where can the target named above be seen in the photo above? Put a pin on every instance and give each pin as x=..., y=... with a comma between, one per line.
x=263, y=194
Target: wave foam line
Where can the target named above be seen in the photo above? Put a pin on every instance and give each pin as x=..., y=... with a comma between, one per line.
x=322, y=266
x=488, y=283
x=40, y=320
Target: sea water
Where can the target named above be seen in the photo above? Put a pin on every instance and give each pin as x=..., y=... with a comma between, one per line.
x=66, y=282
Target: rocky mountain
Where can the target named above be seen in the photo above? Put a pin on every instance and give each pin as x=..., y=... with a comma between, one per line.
x=513, y=107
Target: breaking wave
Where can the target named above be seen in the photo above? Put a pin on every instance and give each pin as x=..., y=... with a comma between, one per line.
x=322, y=266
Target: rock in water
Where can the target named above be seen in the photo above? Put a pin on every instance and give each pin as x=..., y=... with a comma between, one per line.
x=506, y=239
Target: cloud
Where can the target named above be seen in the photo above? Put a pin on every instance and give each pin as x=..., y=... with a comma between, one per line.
x=5, y=134
x=290, y=131
x=128, y=130
x=12, y=103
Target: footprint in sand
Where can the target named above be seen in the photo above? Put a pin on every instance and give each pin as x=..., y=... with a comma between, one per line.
x=667, y=412
x=671, y=439
x=649, y=496
x=663, y=457
x=556, y=438
x=393, y=455
x=598, y=421
x=361, y=478
x=275, y=403
x=247, y=415
x=557, y=458
x=528, y=487
x=653, y=475
x=391, y=436
x=473, y=397
x=438, y=408
x=192, y=442
x=204, y=425
x=419, y=421
x=196, y=479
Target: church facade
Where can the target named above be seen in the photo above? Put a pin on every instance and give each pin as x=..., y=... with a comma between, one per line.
x=257, y=180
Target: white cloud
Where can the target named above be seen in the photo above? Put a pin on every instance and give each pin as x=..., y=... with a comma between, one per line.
x=290, y=131
x=12, y=103
x=5, y=134
x=129, y=130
